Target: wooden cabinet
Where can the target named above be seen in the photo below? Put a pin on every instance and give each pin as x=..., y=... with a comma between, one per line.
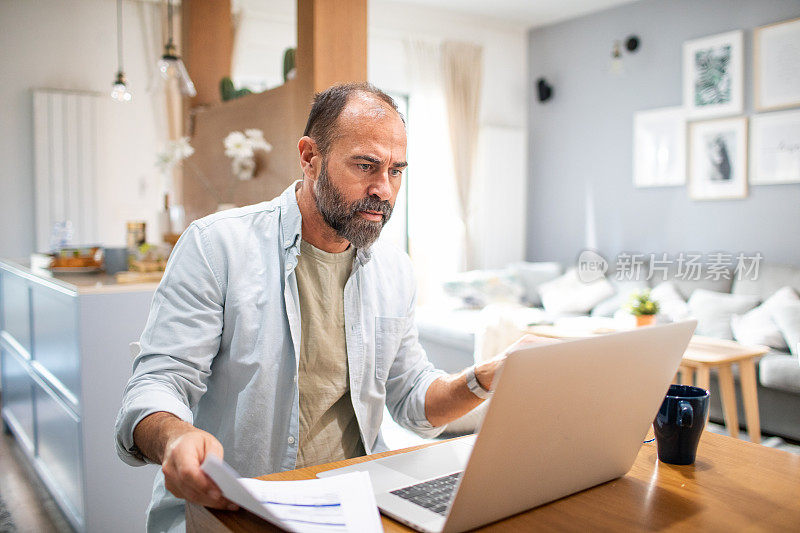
x=64, y=363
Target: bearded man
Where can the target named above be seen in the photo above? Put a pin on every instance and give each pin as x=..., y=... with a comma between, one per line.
x=280, y=330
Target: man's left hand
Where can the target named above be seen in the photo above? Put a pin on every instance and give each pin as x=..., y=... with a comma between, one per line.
x=485, y=372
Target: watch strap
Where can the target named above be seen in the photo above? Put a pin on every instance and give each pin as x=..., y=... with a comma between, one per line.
x=474, y=385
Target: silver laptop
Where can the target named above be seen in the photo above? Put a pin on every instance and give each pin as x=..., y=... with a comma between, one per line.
x=564, y=417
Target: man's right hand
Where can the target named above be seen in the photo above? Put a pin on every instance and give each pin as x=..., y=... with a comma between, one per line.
x=181, y=448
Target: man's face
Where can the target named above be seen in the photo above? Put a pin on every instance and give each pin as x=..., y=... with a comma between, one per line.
x=361, y=175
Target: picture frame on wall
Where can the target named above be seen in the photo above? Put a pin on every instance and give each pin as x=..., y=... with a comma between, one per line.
x=718, y=159
x=776, y=62
x=713, y=76
x=659, y=147
x=775, y=148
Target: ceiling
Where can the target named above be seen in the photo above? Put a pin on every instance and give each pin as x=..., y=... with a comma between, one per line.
x=529, y=12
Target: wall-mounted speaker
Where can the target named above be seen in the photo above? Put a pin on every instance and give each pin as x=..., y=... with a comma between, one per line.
x=544, y=90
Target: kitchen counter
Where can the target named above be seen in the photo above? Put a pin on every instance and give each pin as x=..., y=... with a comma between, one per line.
x=64, y=362
x=83, y=283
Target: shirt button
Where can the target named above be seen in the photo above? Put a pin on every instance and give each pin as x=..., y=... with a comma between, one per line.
x=291, y=440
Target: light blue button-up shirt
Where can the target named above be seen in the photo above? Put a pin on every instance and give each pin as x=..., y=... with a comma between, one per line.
x=219, y=348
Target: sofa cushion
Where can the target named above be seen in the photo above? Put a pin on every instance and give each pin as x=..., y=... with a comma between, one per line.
x=672, y=306
x=770, y=278
x=531, y=275
x=567, y=294
x=713, y=311
x=478, y=288
x=787, y=317
x=623, y=289
x=780, y=371
x=758, y=327
x=687, y=280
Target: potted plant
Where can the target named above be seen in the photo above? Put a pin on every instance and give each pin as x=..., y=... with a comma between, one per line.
x=643, y=308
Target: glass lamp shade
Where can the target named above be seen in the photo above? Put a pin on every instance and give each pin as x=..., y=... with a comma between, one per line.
x=119, y=91
x=171, y=66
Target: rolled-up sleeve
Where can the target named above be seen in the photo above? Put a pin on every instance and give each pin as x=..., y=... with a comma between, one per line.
x=409, y=378
x=179, y=342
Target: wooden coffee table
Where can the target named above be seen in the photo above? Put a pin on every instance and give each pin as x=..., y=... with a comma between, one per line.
x=703, y=354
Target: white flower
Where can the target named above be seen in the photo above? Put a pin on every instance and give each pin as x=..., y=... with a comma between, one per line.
x=174, y=152
x=244, y=168
x=182, y=149
x=256, y=138
x=237, y=145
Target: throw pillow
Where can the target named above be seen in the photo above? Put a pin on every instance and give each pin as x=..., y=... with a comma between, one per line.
x=569, y=295
x=713, y=311
x=623, y=289
x=478, y=288
x=758, y=327
x=671, y=305
x=531, y=275
x=787, y=317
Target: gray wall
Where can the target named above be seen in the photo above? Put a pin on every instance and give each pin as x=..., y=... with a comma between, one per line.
x=581, y=140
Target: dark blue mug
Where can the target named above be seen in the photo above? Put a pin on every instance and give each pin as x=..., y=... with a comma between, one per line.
x=680, y=422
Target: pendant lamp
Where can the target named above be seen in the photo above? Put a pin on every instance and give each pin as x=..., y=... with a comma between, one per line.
x=119, y=91
x=170, y=64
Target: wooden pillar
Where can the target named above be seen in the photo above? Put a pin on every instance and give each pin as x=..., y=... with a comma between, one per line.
x=207, y=51
x=331, y=43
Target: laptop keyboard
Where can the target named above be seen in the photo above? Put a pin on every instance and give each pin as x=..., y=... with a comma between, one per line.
x=433, y=494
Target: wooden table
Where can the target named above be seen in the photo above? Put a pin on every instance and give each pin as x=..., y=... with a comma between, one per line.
x=733, y=485
x=703, y=354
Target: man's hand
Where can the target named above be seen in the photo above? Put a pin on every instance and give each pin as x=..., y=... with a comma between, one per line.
x=181, y=448
x=486, y=371
x=449, y=397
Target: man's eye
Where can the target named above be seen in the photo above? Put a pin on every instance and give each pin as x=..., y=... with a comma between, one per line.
x=397, y=172
x=366, y=167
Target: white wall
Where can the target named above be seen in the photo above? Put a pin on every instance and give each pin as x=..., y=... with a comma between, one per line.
x=267, y=29
x=72, y=45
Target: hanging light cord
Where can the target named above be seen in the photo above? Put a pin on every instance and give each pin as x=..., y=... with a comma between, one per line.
x=119, y=35
x=169, y=24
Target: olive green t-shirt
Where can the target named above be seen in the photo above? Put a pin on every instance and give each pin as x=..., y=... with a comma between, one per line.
x=328, y=426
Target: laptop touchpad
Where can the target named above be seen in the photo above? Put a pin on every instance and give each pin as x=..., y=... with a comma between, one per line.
x=433, y=461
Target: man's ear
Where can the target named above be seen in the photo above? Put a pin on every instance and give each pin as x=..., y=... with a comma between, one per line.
x=309, y=157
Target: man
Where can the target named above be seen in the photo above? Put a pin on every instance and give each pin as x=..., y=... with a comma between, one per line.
x=280, y=330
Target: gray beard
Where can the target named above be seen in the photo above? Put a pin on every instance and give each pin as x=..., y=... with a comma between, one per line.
x=343, y=218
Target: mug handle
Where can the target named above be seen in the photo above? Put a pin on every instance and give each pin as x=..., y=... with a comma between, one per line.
x=685, y=414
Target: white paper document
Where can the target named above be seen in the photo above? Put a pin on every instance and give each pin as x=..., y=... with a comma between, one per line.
x=338, y=503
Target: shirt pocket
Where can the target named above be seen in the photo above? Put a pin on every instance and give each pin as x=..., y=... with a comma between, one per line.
x=388, y=335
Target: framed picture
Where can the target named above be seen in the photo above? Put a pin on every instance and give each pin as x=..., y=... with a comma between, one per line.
x=713, y=74
x=775, y=148
x=659, y=147
x=776, y=50
x=718, y=159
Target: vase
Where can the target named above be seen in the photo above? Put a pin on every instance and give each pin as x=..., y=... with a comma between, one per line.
x=645, y=320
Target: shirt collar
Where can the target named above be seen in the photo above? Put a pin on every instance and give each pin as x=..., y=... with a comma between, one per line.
x=292, y=223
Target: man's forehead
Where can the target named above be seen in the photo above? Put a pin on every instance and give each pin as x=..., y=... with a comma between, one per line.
x=364, y=110
x=370, y=123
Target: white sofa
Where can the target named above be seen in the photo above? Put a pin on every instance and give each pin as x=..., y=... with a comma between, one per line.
x=449, y=333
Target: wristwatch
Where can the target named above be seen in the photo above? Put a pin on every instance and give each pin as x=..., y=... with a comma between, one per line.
x=475, y=387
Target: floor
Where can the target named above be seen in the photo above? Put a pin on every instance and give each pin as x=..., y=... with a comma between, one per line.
x=30, y=507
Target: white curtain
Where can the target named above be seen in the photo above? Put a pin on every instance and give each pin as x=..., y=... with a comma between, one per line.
x=462, y=66
x=434, y=225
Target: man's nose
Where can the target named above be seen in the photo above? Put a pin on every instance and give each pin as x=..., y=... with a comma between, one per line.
x=381, y=186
